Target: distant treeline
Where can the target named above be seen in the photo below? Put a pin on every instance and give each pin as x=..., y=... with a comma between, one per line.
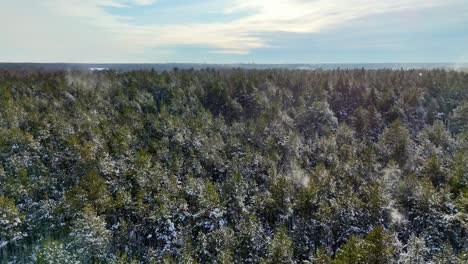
x=202, y=66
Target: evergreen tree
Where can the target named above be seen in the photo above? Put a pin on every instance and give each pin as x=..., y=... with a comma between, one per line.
x=416, y=251
x=280, y=250
x=90, y=238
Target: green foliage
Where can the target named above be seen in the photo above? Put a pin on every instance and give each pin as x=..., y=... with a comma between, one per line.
x=10, y=221
x=90, y=238
x=124, y=259
x=280, y=250
x=92, y=190
x=394, y=142
x=434, y=172
x=460, y=118
x=352, y=252
x=54, y=252
x=321, y=256
x=233, y=166
x=416, y=251
x=376, y=247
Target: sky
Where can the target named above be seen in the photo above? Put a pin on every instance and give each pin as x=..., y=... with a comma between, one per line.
x=234, y=31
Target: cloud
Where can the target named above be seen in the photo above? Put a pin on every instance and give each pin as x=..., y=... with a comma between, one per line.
x=313, y=16
x=90, y=24
x=235, y=51
x=240, y=35
x=144, y=2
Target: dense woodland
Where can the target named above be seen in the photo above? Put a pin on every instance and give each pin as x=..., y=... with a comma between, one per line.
x=234, y=166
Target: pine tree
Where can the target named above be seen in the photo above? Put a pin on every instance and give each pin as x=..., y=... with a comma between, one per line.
x=416, y=251
x=54, y=252
x=90, y=238
x=459, y=118
x=353, y=252
x=394, y=142
x=447, y=256
x=280, y=250
x=10, y=225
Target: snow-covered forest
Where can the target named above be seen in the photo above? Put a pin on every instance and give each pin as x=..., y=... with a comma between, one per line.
x=234, y=166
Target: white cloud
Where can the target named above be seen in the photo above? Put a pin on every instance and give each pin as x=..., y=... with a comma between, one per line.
x=144, y=2
x=234, y=51
x=85, y=24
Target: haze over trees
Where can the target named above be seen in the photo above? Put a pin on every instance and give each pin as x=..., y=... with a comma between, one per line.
x=234, y=166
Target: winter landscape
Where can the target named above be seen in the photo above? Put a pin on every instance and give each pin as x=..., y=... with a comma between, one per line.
x=318, y=132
